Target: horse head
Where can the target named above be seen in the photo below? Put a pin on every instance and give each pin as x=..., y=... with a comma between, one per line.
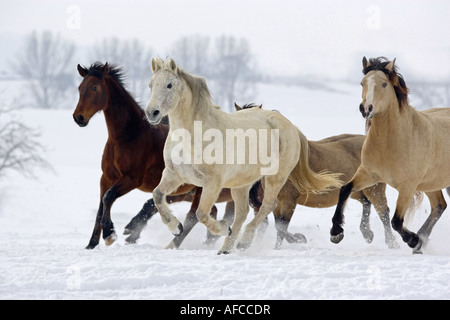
x=166, y=88
x=382, y=86
x=93, y=93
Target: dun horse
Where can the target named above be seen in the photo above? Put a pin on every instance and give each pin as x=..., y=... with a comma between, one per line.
x=133, y=154
x=405, y=148
x=194, y=118
x=339, y=154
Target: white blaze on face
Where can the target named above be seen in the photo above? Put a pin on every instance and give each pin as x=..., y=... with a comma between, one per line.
x=370, y=91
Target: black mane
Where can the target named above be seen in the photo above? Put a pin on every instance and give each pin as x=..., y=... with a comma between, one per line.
x=96, y=70
x=395, y=78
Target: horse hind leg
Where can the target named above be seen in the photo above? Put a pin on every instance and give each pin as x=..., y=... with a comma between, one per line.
x=283, y=214
x=405, y=196
x=438, y=205
x=273, y=185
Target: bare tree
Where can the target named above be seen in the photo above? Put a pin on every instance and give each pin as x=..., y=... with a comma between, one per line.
x=430, y=94
x=193, y=54
x=131, y=55
x=20, y=149
x=234, y=71
x=45, y=62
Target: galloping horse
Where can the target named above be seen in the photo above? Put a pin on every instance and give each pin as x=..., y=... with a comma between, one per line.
x=194, y=119
x=339, y=154
x=405, y=148
x=133, y=154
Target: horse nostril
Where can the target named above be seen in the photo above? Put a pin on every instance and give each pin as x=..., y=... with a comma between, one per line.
x=370, y=108
x=361, y=108
x=80, y=118
x=155, y=113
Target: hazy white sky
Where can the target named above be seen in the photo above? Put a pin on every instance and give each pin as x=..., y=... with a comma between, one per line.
x=325, y=37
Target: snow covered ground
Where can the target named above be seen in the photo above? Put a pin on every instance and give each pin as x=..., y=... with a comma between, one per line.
x=46, y=223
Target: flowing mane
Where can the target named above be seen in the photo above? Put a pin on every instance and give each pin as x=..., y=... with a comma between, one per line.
x=96, y=70
x=199, y=88
x=379, y=64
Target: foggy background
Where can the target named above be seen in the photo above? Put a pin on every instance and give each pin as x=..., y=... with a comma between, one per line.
x=233, y=44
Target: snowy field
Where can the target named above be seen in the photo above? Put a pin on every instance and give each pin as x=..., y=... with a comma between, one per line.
x=46, y=223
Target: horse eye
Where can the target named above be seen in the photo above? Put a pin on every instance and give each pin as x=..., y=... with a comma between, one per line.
x=94, y=88
x=384, y=85
x=169, y=85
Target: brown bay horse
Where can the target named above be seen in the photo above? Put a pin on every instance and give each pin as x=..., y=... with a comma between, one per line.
x=405, y=148
x=133, y=154
x=338, y=154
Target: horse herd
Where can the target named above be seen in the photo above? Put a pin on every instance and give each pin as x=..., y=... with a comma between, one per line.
x=273, y=168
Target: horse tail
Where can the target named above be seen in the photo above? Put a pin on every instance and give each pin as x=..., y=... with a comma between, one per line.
x=306, y=180
x=415, y=203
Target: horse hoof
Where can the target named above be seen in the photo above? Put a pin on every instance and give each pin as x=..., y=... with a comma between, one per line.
x=417, y=249
x=126, y=232
x=299, y=238
x=242, y=246
x=90, y=246
x=131, y=239
x=111, y=239
x=223, y=252
x=368, y=236
x=337, y=238
x=171, y=245
x=392, y=244
x=178, y=231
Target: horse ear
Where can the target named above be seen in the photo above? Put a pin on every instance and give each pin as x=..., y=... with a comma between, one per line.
x=156, y=64
x=260, y=106
x=170, y=63
x=365, y=63
x=391, y=65
x=82, y=71
x=105, y=68
x=237, y=107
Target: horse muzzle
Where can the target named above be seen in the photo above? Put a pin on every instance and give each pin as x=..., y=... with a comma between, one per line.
x=80, y=120
x=366, y=111
x=154, y=116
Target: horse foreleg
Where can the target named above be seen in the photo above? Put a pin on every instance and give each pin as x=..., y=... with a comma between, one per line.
x=337, y=232
x=95, y=237
x=364, y=226
x=438, y=205
x=138, y=223
x=241, y=207
x=360, y=180
x=377, y=196
x=208, y=198
x=121, y=187
x=168, y=184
